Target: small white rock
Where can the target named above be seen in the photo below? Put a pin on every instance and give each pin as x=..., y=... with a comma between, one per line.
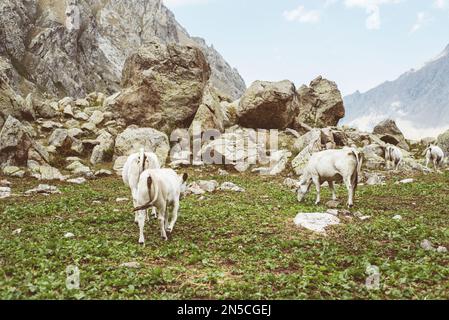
x=69, y=235
x=131, y=265
x=406, y=181
x=397, y=217
x=316, y=222
x=121, y=199
x=77, y=181
x=17, y=232
x=442, y=249
x=427, y=245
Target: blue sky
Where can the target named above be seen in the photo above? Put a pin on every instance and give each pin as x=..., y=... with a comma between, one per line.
x=357, y=43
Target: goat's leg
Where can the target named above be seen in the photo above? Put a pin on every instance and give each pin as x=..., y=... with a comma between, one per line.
x=174, y=217
x=317, y=183
x=350, y=188
x=162, y=212
x=334, y=194
x=141, y=219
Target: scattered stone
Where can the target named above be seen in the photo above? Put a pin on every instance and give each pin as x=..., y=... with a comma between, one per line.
x=291, y=183
x=229, y=186
x=81, y=116
x=77, y=181
x=5, y=183
x=69, y=235
x=68, y=111
x=44, y=189
x=208, y=186
x=121, y=200
x=442, y=249
x=130, y=265
x=397, y=217
x=223, y=173
x=103, y=173
x=5, y=192
x=48, y=173
x=89, y=126
x=373, y=179
x=427, y=245
x=77, y=168
x=333, y=212
x=316, y=222
x=333, y=204
x=406, y=181
x=97, y=118
x=17, y=232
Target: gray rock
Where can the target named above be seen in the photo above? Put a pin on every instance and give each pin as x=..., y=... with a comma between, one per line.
x=427, y=245
x=77, y=181
x=103, y=152
x=5, y=192
x=268, y=105
x=44, y=189
x=321, y=104
x=229, y=186
x=133, y=139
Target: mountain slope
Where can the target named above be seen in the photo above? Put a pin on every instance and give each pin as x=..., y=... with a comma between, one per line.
x=75, y=47
x=419, y=98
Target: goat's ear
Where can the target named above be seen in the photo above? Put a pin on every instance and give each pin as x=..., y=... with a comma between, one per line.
x=185, y=176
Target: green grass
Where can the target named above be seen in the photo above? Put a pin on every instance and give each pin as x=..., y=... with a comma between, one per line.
x=226, y=246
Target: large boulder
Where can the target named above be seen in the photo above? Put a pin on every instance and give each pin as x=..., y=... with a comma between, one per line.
x=164, y=86
x=133, y=139
x=389, y=132
x=268, y=105
x=15, y=143
x=211, y=114
x=443, y=142
x=104, y=150
x=320, y=104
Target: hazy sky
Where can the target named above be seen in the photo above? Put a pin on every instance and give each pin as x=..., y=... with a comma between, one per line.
x=357, y=43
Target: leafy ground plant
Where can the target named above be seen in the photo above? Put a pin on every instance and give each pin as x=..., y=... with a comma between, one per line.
x=226, y=245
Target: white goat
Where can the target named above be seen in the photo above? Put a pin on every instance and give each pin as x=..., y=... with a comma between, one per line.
x=161, y=188
x=435, y=155
x=133, y=168
x=394, y=155
x=331, y=166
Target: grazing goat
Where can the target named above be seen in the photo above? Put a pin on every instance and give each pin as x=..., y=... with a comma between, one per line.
x=133, y=168
x=394, y=155
x=435, y=155
x=331, y=166
x=161, y=188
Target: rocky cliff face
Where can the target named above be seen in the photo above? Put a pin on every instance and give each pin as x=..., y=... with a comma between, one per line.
x=73, y=47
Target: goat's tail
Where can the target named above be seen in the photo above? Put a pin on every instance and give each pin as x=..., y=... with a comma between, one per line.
x=156, y=195
x=143, y=159
x=358, y=170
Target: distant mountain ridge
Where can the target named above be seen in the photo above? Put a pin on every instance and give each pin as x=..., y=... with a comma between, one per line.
x=419, y=99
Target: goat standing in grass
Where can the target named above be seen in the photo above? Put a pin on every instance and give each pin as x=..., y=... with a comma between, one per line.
x=331, y=166
x=160, y=188
x=435, y=155
x=133, y=168
x=394, y=155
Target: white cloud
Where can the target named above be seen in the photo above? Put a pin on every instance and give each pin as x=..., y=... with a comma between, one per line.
x=421, y=19
x=180, y=3
x=440, y=4
x=372, y=8
x=302, y=15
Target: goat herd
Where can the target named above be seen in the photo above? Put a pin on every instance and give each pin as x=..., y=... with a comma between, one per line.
x=161, y=189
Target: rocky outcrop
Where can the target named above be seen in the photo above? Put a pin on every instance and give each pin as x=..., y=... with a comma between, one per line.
x=164, y=86
x=76, y=47
x=320, y=104
x=268, y=105
x=389, y=132
x=211, y=114
x=443, y=142
x=17, y=144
